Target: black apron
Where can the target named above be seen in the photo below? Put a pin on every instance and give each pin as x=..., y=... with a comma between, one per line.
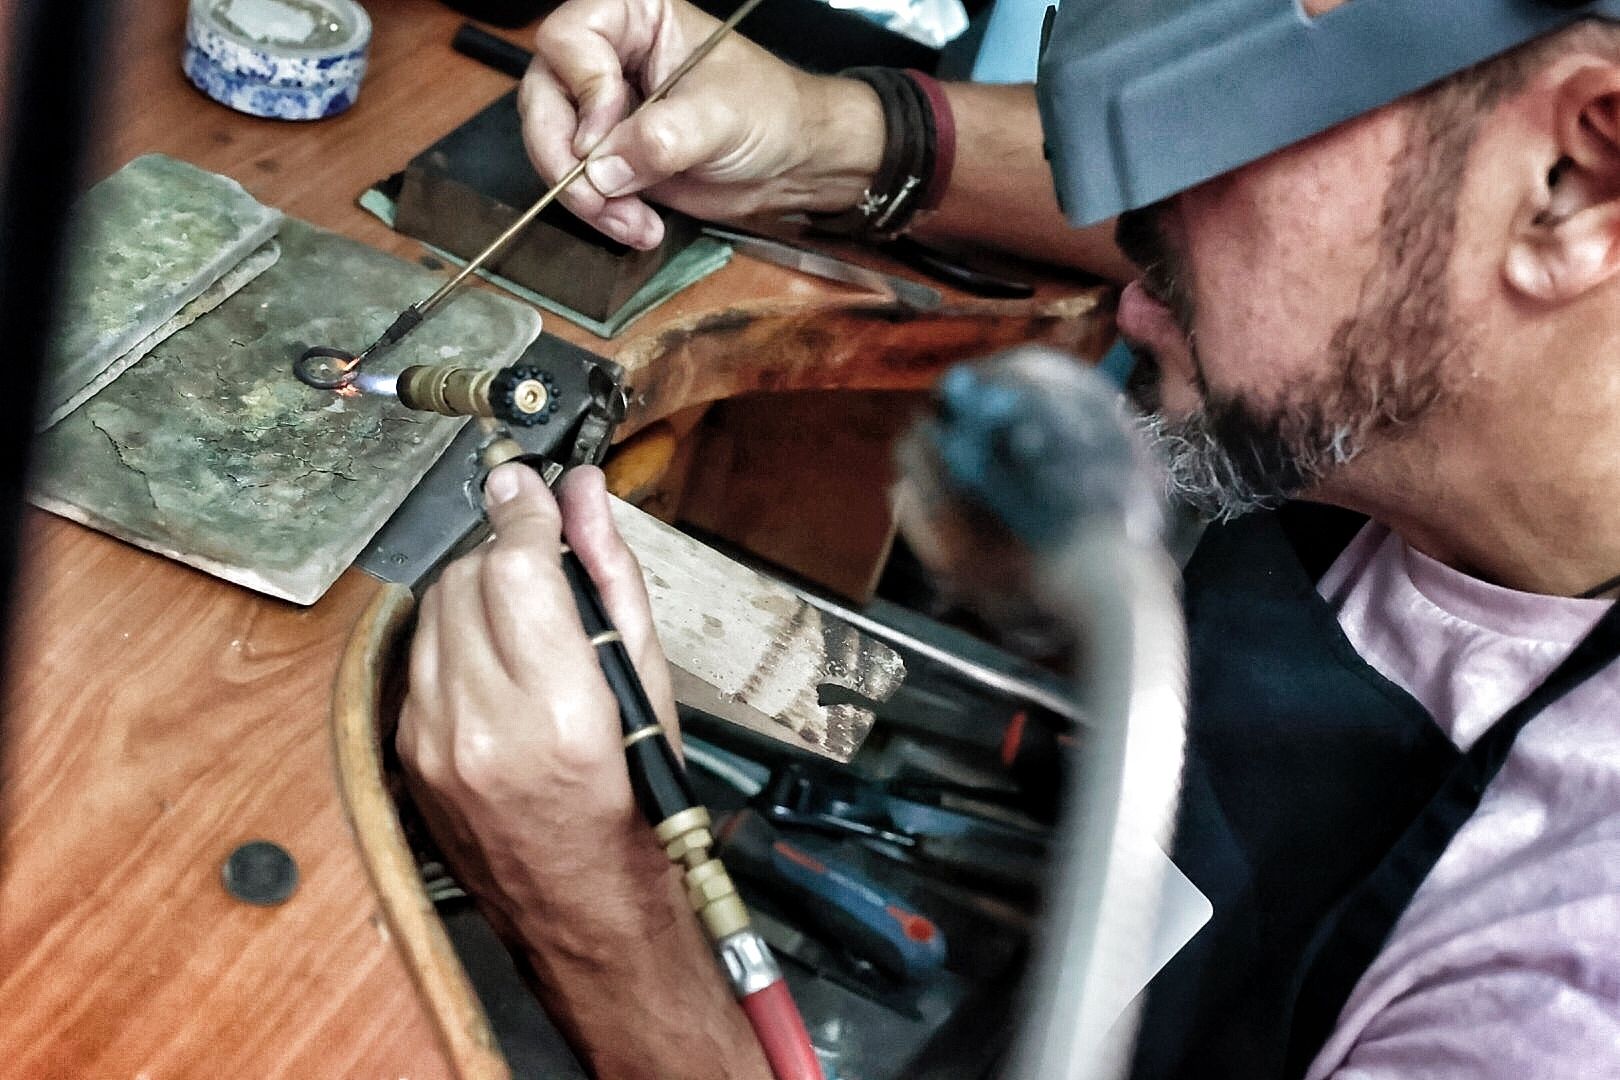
x=1317, y=796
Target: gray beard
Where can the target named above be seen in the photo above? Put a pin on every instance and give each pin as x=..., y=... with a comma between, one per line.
x=1204, y=474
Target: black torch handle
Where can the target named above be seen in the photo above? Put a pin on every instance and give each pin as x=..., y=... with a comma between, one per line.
x=657, y=778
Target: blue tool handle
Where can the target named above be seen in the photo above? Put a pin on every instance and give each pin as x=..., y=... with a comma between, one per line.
x=873, y=922
x=869, y=920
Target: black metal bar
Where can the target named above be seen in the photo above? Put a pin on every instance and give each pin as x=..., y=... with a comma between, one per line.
x=55, y=64
x=491, y=50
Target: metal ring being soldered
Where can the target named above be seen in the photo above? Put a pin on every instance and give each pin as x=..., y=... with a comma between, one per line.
x=325, y=368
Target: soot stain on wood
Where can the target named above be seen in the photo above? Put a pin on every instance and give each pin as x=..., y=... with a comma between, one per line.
x=891, y=314
x=730, y=321
x=814, y=338
x=847, y=726
x=865, y=667
x=775, y=652
x=931, y=359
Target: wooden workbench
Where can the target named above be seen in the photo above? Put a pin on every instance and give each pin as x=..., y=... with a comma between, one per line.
x=158, y=718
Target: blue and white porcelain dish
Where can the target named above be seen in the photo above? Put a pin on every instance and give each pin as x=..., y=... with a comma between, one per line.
x=258, y=98
x=284, y=59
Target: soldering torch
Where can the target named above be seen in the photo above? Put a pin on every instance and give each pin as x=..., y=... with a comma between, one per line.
x=527, y=396
x=521, y=394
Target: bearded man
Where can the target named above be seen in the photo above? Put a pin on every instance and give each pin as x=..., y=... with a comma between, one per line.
x=1404, y=765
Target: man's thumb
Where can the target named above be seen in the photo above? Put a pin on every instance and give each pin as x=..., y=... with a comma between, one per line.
x=520, y=506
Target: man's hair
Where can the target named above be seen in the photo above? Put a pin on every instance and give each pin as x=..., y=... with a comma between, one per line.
x=1488, y=82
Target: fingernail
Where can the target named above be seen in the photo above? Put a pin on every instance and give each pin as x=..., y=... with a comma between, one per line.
x=501, y=487
x=610, y=175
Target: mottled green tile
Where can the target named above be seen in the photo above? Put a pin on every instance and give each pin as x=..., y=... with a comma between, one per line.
x=209, y=451
x=147, y=241
x=216, y=294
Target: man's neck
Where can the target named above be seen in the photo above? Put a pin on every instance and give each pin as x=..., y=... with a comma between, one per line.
x=1527, y=500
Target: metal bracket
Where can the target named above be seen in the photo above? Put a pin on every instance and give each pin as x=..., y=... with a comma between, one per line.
x=444, y=513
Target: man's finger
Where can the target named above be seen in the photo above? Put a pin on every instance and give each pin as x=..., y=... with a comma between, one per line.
x=549, y=122
x=424, y=683
x=523, y=595
x=588, y=522
x=632, y=222
x=665, y=139
x=548, y=127
x=423, y=675
x=590, y=530
x=590, y=48
x=521, y=508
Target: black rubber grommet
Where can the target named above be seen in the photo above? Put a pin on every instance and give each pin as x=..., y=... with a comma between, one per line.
x=503, y=390
x=260, y=872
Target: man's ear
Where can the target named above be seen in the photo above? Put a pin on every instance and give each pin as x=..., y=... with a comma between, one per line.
x=1568, y=242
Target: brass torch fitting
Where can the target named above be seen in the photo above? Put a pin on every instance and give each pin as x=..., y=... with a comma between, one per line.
x=499, y=452
x=447, y=389
x=709, y=889
x=714, y=898
x=686, y=837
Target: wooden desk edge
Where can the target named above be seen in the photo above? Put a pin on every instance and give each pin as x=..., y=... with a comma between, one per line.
x=356, y=702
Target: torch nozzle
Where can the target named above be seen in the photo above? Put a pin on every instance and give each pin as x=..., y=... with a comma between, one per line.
x=516, y=395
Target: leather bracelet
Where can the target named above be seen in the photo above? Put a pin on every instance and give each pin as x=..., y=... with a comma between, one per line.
x=943, y=123
x=889, y=204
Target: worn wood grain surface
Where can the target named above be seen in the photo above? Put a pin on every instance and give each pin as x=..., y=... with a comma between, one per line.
x=746, y=648
x=826, y=343
x=768, y=437
x=156, y=720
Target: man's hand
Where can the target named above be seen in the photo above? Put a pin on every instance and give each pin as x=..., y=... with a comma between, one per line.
x=511, y=737
x=509, y=727
x=742, y=133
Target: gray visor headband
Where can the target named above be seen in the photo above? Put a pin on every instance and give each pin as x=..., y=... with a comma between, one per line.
x=1141, y=99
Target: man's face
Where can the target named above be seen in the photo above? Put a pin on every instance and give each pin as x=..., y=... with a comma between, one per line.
x=1293, y=311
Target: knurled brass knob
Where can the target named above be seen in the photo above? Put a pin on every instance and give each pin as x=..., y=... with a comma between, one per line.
x=523, y=394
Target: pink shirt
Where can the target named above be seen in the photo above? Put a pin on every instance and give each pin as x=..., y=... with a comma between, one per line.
x=1506, y=966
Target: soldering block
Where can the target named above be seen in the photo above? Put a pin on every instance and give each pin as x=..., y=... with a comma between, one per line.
x=146, y=242
x=465, y=189
x=210, y=452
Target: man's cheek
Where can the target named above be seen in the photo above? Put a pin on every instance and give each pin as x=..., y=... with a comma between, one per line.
x=1179, y=396
x=1168, y=385
x=1246, y=329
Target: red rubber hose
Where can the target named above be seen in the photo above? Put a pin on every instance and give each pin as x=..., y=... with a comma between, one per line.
x=780, y=1030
